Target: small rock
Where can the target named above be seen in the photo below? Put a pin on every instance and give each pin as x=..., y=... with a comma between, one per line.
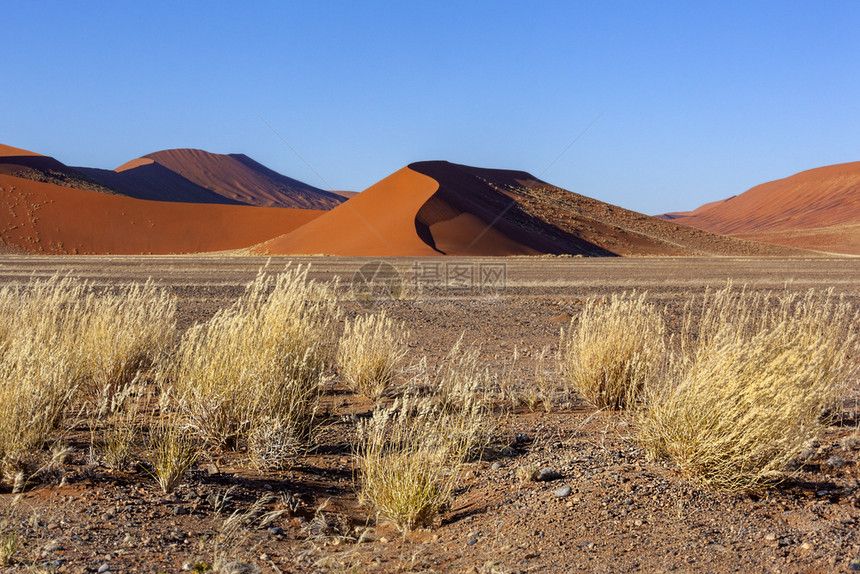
x=770, y=537
x=638, y=523
x=562, y=492
x=806, y=546
x=240, y=568
x=53, y=546
x=472, y=542
x=179, y=510
x=276, y=530
x=547, y=474
x=103, y=568
x=835, y=462
x=854, y=566
x=521, y=438
x=496, y=466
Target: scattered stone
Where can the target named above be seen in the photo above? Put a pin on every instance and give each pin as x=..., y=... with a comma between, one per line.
x=770, y=537
x=806, y=546
x=521, y=438
x=276, y=530
x=854, y=566
x=562, y=492
x=496, y=466
x=638, y=523
x=835, y=462
x=53, y=546
x=240, y=568
x=472, y=542
x=179, y=510
x=547, y=474
x=104, y=568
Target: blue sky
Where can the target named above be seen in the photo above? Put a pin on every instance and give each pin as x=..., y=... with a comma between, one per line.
x=693, y=101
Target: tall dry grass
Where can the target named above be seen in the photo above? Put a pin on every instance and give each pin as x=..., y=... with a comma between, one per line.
x=261, y=361
x=758, y=374
x=371, y=350
x=410, y=455
x=66, y=346
x=611, y=350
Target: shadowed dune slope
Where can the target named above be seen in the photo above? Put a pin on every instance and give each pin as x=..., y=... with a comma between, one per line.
x=815, y=209
x=37, y=217
x=240, y=179
x=442, y=208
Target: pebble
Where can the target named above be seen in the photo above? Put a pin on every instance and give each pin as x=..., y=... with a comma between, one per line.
x=180, y=510
x=770, y=537
x=496, y=466
x=547, y=474
x=835, y=462
x=562, y=492
x=103, y=568
x=276, y=530
x=854, y=566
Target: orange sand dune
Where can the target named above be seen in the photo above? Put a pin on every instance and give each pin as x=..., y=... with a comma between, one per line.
x=818, y=209
x=6, y=150
x=440, y=208
x=378, y=221
x=38, y=217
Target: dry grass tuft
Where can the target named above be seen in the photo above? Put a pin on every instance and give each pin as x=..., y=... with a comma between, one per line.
x=410, y=456
x=171, y=452
x=259, y=361
x=62, y=342
x=609, y=353
x=369, y=354
x=753, y=386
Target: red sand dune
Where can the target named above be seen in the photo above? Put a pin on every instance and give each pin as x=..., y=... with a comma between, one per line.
x=436, y=208
x=38, y=217
x=233, y=178
x=814, y=209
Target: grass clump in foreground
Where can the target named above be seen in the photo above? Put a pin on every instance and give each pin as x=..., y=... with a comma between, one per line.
x=611, y=351
x=410, y=456
x=259, y=363
x=752, y=387
x=66, y=347
x=369, y=354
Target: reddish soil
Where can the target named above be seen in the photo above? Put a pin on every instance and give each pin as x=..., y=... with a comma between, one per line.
x=39, y=217
x=623, y=512
x=815, y=209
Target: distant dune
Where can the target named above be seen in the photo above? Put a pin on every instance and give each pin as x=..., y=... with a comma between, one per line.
x=815, y=209
x=38, y=217
x=199, y=176
x=440, y=208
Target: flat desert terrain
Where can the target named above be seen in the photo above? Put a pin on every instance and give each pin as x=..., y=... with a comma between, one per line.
x=603, y=506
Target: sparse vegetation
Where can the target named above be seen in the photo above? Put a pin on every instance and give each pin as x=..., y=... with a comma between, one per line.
x=171, y=452
x=370, y=351
x=760, y=373
x=611, y=350
x=260, y=361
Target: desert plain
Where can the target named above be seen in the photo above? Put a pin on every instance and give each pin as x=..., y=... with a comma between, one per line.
x=564, y=486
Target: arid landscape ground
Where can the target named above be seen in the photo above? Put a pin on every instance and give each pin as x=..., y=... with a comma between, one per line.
x=604, y=506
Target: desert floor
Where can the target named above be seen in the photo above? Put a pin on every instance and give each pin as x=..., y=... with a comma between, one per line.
x=623, y=512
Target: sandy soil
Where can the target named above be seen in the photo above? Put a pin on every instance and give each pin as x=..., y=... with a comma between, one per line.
x=622, y=513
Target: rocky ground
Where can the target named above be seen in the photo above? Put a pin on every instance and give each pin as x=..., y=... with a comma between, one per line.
x=566, y=488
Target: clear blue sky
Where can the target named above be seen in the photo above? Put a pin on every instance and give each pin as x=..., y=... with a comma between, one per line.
x=696, y=100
